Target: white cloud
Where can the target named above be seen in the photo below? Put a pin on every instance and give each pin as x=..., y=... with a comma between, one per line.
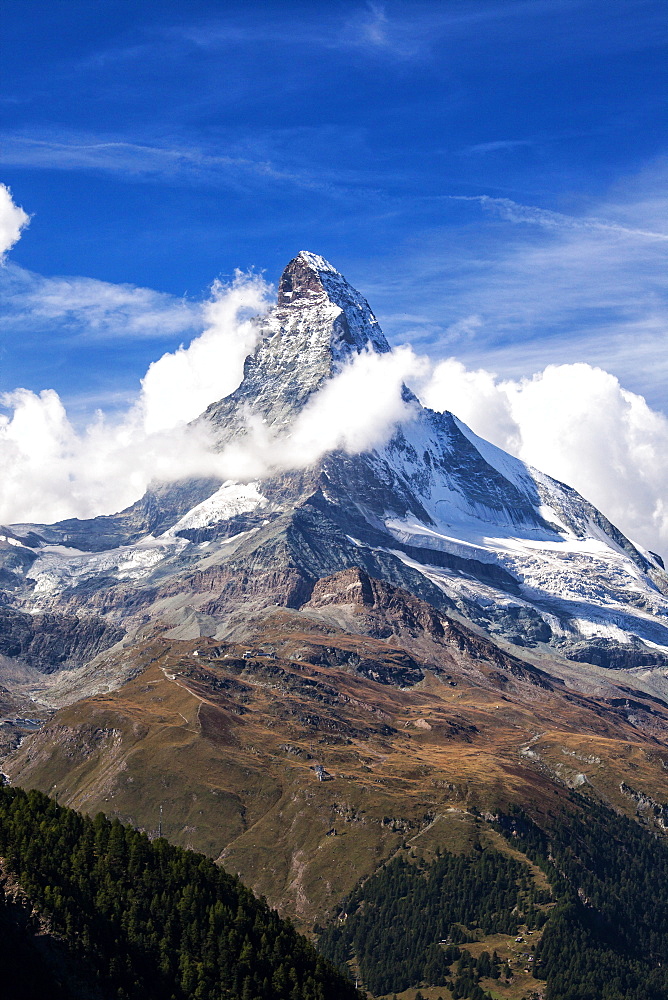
x=53, y=471
x=180, y=385
x=356, y=411
x=579, y=425
x=92, y=309
x=476, y=398
x=12, y=221
x=359, y=408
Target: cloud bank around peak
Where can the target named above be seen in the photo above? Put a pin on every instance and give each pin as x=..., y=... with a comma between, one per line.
x=355, y=411
x=55, y=471
x=579, y=425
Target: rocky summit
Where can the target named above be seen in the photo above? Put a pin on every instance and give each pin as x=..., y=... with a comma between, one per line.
x=377, y=653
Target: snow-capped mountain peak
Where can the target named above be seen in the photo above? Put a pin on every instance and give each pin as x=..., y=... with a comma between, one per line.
x=308, y=279
x=435, y=510
x=318, y=324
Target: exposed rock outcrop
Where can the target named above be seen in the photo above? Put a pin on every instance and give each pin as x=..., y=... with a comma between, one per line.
x=53, y=641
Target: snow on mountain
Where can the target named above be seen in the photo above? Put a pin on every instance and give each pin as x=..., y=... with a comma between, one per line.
x=318, y=324
x=228, y=501
x=515, y=551
x=571, y=564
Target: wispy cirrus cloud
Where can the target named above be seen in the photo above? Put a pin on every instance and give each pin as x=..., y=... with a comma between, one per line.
x=374, y=28
x=498, y=145
x=134, y=159
x=411, y=31
x=263, y=160
x=515, y=212
x=92, y=310
x=367, y=27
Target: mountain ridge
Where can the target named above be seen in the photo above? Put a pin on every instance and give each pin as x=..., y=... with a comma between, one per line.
x=435, y=509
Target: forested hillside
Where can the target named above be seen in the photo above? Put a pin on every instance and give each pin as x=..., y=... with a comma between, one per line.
x=598, y=925
x=143, y=919
x=398, y=922
x=607, y=939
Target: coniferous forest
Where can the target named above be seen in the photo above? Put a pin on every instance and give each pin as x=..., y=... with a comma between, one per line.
x=403, y=925
x=135, y=918
x=143, y=919
x=605, y=935
x=607, y=938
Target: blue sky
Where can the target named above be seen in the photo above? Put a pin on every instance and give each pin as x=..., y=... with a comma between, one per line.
x=490, y=174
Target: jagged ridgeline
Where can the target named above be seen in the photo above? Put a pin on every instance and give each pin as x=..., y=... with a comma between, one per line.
x=91, y=908
x=593, y=927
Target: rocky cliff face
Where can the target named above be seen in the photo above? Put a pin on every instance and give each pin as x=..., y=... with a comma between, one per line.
x=51, y=642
